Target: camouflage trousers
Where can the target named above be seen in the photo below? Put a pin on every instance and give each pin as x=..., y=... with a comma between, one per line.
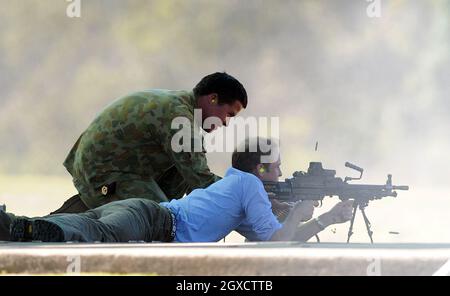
x=120, y=221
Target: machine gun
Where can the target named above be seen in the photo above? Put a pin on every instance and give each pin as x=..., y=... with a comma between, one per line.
x=317, y=183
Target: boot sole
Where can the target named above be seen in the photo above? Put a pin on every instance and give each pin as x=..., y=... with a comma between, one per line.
x=20, y=230
x=24, y=230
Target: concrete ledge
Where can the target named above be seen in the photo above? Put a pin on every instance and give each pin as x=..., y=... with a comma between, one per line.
x=225, y=259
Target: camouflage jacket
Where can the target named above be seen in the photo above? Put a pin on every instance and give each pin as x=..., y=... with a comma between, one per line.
x=129, y=145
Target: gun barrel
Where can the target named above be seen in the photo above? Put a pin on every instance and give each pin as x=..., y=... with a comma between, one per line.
x=400, y=187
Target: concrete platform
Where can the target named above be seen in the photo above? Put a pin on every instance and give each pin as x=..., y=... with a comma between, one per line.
x=285, y=258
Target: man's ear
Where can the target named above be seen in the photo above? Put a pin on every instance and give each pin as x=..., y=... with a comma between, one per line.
x=260, y=169
x=214, y=99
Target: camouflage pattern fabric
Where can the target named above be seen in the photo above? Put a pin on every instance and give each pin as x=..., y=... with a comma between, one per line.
x=129, y=145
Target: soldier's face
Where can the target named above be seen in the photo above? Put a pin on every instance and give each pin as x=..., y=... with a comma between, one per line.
x=222, y=112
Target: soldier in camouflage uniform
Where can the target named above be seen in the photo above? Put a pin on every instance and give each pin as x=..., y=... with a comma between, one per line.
x=126, y=151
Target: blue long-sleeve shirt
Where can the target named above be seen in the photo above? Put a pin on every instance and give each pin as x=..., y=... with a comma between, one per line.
x=207, y=215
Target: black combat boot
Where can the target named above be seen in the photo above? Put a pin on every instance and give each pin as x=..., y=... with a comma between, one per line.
x=5, y=223
x=26, y=230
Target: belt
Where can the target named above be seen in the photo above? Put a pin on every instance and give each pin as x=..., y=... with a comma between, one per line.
x=173, y=231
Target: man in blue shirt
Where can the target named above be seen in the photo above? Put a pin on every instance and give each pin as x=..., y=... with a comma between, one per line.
x=208, y=215
x=205, y=215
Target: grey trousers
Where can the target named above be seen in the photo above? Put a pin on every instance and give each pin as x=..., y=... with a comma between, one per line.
x=120, y=221
x=72, y=205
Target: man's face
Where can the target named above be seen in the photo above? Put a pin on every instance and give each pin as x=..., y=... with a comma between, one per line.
x=221, y=112
x=270, y=172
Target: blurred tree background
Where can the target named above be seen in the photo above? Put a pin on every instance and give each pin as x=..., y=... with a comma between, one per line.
x=373, y=91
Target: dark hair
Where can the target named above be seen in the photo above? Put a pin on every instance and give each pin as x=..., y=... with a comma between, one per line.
x=228, y=88
x=245, y=159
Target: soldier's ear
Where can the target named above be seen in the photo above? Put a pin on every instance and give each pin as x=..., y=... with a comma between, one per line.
x=214, y=99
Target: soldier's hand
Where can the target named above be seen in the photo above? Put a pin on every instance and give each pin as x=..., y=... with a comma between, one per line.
x=340, y=213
